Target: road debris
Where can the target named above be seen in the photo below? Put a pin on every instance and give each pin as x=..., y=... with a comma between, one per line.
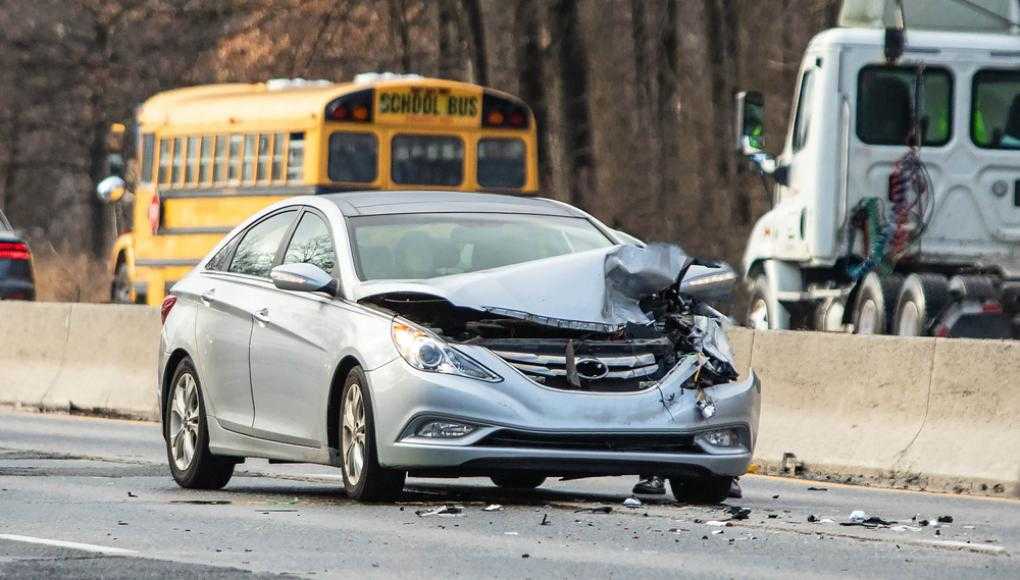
x=493, y=508
x=201, y=501
x=130, y=494
x=818, y=489
x=717, y=532
x=632, y=502
x=945, y=519
x=595, y=510
x=738, y=513
x=448, y=511
x=545, y=520
x=861, y=518
x=715, y=523
x=905, y=528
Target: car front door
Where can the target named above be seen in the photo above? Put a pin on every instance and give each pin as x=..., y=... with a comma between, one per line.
x=224, y=323
x=292, y=361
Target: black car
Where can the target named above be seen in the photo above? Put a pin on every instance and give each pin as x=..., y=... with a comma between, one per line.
x=16, y=279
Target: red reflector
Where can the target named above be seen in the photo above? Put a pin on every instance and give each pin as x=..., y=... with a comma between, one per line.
x=155, y=208
x=14, y=251
x=361, y=113
x=339, y=113
x=166, y=307
x=991, y=308
x=517, y=119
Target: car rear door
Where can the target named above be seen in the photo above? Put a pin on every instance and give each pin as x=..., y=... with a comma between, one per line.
x=292, y=361
x=224, y=323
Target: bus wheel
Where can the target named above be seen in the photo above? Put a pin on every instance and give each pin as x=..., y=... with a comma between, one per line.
x=922, y=298
x=876, y=299
x=120, y=289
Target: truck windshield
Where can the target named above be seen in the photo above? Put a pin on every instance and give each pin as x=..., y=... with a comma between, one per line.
x=422, y=246
x=995, y=119
x=885, y=105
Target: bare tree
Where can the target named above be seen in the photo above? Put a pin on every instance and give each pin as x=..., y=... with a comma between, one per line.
x=575, y=116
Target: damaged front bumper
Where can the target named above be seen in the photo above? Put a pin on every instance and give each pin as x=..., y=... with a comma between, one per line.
x=518, y=424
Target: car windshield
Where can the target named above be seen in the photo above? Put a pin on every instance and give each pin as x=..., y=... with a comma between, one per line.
x=421, y=246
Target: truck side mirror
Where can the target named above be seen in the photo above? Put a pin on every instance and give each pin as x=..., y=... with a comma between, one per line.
x=750, y=122
x=111, y=189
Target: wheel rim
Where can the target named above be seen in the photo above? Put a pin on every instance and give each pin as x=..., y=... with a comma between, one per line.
x=758, y=315
x=184, y=418
x=353, y=435
x=868, y=320
x=909, y=320
x=832, y=320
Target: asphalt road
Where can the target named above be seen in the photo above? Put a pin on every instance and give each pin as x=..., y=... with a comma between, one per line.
x=85, y=497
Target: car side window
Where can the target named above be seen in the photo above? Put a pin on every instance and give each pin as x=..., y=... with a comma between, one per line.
x=257, y=249
x=221, y=260
x=312, y=244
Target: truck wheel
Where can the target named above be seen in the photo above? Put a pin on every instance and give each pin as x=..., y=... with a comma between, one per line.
x=828, y=315
x=875, y=303
x=758, y=315
x=922, y=299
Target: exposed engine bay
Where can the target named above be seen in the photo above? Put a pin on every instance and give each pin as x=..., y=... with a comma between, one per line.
x=647, y=320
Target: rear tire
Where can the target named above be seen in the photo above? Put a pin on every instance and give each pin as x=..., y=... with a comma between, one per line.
x=364, y=478
x=703, y=490
x=875, y=303
x=518, y=480
x=186, y=433
x=922, y=298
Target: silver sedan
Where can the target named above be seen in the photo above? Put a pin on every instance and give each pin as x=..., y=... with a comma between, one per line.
x=440, y=334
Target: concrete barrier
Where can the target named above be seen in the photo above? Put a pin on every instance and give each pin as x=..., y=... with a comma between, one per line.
x=913, y=412
x=84, y=356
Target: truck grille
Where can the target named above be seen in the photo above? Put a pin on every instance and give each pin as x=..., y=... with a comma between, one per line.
x=602, y=366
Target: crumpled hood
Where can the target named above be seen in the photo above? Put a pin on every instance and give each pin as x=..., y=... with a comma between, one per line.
x=598, y=287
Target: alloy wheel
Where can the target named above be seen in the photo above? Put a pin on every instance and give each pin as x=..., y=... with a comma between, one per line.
x=353, y=434
x=184, y=417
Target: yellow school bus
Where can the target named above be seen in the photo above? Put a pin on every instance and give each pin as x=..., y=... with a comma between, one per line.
x=210, y=156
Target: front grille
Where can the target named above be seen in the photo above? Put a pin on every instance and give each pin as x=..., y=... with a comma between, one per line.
x=592, y=442
x=603, y=366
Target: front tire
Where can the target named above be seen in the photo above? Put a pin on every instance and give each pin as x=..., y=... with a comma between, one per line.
x=703, y=490
x=186, y=433
x=518, y=480
x=120, y=288
x=364, y=478
x=759, y=317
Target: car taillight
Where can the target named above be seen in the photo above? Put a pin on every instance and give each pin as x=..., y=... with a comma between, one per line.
x=14, y=251
x=166, y=307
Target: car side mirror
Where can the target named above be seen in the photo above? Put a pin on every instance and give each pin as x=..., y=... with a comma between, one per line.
x=707, y=279
x=304, y=277
x=111, y=189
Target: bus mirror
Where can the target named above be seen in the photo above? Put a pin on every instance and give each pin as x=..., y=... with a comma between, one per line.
x=111, y=189
x=750, y=122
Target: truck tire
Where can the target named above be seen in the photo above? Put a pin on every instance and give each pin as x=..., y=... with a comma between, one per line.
x=120, y=288
x=759, y=315
x=875, y=303
x=922, y=299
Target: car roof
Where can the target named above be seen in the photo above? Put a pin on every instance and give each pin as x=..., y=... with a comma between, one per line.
x=357, y=203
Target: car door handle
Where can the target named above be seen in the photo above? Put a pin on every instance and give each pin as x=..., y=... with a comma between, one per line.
x=208, y=297
x=262, y=315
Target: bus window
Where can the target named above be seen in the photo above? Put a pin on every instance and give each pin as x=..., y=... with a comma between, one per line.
x=276, y=173
x=234, y=170
x=164, y=161
x=205, y=166
x=220, y=159
x=262, y=167
x=501, y=163
x=296, y=157
x=191, y=171
x=427, y=160
x=148, y=146
x=353, y=157
x=249, y=158
x=175, y=171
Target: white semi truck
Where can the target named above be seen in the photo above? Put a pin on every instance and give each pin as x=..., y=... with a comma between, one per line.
x=896, y=198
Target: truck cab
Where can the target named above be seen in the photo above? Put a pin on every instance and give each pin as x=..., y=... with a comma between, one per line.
x=896, y=198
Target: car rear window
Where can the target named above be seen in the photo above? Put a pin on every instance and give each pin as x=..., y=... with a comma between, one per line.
x=421, y=246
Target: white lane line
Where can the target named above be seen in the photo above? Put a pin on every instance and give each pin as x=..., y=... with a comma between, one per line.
x=71, y=545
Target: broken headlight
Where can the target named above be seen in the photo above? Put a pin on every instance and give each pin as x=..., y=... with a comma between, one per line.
x=427, y=352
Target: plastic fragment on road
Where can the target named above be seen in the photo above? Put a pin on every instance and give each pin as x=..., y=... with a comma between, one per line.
x=739, y=513
x=545, y=520
x=905, y=528
x=945, y=519
x=861, y=518
x=448, y=511
x=493, y=508
x=717, y=532
x=715, y=523
x=818, y=489
x=632, y=502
